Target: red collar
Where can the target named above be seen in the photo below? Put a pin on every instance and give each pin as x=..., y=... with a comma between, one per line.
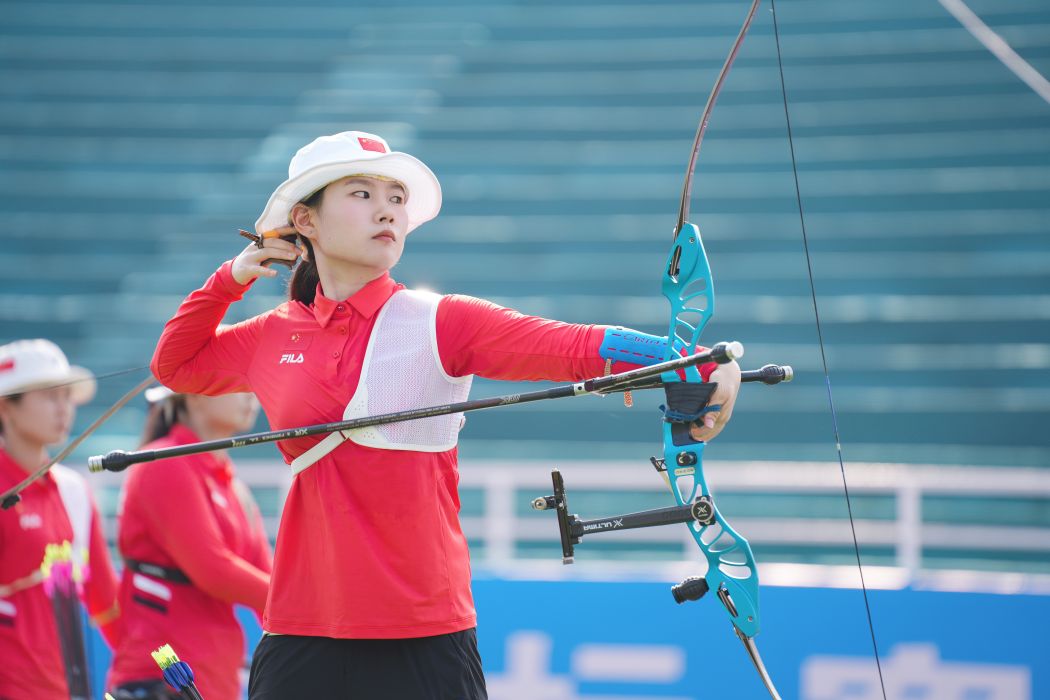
x=366, y=301
x=11, y=473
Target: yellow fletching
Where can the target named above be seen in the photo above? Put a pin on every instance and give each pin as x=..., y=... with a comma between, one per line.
x=164, y=656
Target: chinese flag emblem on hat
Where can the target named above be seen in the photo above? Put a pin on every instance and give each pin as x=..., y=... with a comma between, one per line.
x=371, y=145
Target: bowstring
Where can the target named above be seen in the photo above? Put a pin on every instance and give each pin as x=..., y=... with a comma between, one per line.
x=823, y=355
x=95, y=378
x=9, y=497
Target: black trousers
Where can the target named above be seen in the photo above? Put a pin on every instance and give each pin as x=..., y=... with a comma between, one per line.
x=444, y=667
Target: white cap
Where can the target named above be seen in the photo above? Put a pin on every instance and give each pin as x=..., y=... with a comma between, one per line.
x=26, y=365
x=330, y=158
x=157, y=393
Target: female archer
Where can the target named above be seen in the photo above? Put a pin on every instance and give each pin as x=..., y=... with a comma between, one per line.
x=53, y=554
x=193, y=546
x=370, y=592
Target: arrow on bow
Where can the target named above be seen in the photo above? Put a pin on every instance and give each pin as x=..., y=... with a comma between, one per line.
x=641, y=378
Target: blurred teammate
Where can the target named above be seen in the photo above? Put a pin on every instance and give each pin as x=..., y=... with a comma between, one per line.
x=370, y=596
x=193, y=545
x=53, y=554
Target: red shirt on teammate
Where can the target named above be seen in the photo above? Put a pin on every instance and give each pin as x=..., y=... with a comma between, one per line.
x=43, y=652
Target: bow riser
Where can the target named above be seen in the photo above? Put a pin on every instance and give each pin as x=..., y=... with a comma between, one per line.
x=688, y=286
x=731, y=569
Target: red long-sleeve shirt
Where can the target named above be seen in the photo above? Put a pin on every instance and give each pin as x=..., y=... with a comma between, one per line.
x=189, y=513
x=370, y=544
x=31, y=665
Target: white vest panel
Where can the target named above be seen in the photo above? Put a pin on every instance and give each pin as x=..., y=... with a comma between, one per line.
x=73, y=489
x=401, y=370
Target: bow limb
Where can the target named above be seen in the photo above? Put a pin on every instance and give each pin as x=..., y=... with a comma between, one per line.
x=701, y=129
x=731, y=572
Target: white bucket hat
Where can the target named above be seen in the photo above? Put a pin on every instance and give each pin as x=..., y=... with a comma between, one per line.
x=157, y=393
x=329, y=158
x=26, y=365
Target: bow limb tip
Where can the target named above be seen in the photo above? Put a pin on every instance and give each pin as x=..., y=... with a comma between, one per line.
x=756, y=659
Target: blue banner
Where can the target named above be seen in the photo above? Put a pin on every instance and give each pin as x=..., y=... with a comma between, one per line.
x=567, y=640
x=589, y=640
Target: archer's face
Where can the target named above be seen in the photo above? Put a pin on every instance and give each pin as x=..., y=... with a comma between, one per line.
x=227, y=414
x=362, y=222
x=42, y=416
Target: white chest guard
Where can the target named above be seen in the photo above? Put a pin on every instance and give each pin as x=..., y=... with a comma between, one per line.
x=401, y=370
x=73, y=490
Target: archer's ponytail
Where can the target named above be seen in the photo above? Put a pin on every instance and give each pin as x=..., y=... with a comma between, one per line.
x=303, y=284
x=163, y=415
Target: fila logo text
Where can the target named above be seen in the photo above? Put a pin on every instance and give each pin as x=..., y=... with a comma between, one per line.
x=291, y=359
x=31, y=521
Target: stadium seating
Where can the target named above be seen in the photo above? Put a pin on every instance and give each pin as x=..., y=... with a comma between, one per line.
x=136, y=139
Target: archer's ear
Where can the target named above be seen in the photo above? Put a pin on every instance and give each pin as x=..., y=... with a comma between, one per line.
x=302, y=218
